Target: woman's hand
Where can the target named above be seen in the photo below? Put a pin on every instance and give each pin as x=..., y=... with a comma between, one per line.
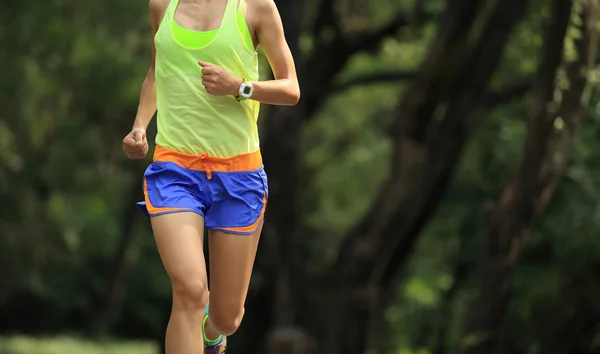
x=218, y=81
x=135, y=144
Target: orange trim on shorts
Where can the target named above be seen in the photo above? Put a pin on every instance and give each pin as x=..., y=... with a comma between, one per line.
x=152, y=210
x=239, y=163
x=249, y=228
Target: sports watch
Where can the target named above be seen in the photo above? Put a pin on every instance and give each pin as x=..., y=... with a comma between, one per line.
x=245, y=91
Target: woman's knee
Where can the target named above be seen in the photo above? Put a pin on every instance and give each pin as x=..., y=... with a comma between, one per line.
x=227, y=318
x=190, y=294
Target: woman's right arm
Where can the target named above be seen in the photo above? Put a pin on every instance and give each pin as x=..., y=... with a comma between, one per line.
x=147, y=105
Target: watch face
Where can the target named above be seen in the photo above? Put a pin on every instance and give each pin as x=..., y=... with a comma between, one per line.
x=247, y=90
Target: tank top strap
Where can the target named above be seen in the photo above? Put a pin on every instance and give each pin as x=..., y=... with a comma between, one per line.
x=230, y=13
x=170, y=12
x=240, y=5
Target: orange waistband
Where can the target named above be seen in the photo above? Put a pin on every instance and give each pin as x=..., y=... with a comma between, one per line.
x=207, y=163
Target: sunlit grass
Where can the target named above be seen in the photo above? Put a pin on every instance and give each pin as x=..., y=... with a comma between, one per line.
x=62, y=345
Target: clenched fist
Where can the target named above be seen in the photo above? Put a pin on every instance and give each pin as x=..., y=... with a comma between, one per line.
x=218, y=81
x=135, y=144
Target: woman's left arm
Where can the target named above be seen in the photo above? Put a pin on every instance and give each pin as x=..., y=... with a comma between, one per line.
x=284, y=90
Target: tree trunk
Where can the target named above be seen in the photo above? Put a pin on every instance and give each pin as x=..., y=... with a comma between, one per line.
x=284, y=241
x=423, y=157
x=423, y=161
x=544, y=158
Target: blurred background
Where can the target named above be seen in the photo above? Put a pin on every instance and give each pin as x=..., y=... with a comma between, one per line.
x=436, y=190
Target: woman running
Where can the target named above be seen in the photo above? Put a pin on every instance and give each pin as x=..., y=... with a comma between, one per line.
x=207, y=169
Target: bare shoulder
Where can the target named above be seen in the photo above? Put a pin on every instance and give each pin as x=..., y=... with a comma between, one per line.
x=261, y=9
x=158, y=8
x=262, y=4
x=158, y=4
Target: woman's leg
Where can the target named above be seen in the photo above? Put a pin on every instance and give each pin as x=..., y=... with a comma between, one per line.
x=231, y=261
x=179, y=240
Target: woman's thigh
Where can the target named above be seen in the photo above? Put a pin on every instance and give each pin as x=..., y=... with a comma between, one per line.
x=179, y=238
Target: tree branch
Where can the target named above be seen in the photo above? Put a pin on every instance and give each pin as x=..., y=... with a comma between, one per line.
x=370, y=41
x=330, y=57
x=513, y=91
x=374, y=78
x=510, y=92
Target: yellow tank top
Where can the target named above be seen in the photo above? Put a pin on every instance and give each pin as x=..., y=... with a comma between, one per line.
x=189, y=119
